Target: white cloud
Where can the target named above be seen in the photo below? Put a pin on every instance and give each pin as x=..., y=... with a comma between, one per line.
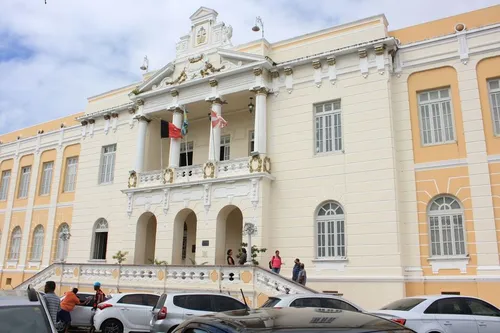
x=85, y=47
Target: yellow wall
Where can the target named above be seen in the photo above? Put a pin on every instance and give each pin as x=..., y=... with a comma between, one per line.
x=6, y=165
x=39, y=217
x=453, y=181
x=49, y=126
x=428, y=80
x=488, y=68
x=446, y=26
x=46, y=156
x=69, y=151
x=26, y=160
x=17, y=220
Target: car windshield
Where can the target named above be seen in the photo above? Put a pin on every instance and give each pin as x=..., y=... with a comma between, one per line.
x=405, y=304
x=271, y=302
x=22, y=319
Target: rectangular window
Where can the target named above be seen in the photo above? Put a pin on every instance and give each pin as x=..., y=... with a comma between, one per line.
x=106, y=174
x=328, y=127
x=331, y=239
x=436, y=117
x=251, y=142
x=24, y=183
x=494, y=87
x=225, y=148
x=70, y=175
x=100, y=245
x=46, y=180
x=186, y=157
x=4, y=184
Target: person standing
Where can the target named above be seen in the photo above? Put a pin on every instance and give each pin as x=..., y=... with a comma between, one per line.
x=98, y=298
x=230, y=260
x=302, y=279
x=243, y=257
x=67, y=305
x=52, y=300
x=276, y=262
x=296, y=269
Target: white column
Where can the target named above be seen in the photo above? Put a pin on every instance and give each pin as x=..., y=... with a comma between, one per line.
x=8, y=212
x=260, y=125
x=214, y=147
x=175, y=144
x=141, y=142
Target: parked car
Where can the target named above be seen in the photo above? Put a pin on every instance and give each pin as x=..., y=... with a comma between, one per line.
x=127, y=312
x=443, y=314
x=24, y=311
x=311, y=301
x=296, y=320
x=173, y=308
x=82, y=313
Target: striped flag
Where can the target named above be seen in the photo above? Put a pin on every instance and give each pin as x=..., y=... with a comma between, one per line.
x=217, y=120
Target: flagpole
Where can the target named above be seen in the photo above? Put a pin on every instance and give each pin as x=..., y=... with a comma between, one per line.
x=161, y=149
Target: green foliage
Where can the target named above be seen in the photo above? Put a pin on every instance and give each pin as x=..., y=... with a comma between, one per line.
x=135, y=91
x=254, y=252
x=120, y=257
x=193, y=262
x=158, y=262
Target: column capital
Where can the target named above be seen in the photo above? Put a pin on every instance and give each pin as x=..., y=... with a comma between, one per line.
x=139, y=102
x=176, y=108
x=316, y=64
x=216, y=100
x=288, y=71
x=260, y=90
x=141, y=117
x=213, y=83
x=174, y=92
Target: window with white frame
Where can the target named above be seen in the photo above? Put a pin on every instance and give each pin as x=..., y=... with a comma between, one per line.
x=46, y=180
x=328, y=127
x=494, y=88
x=24, y=183
x=251, y=142
x=4, y=184
x=15, y=244
x=62, y=242
x=446, y=227
x=100, y=241
x=106, y=174
x=436, y=117
x=70, y=175
x=186, y=157
x=225, y=148
x=37, y=244
x=330, y=231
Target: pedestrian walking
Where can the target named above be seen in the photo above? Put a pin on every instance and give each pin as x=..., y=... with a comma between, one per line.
x=296, y=270
x=302, y=275
x=276, y=262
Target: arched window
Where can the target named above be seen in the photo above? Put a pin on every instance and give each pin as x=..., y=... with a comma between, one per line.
x=330, y=231
x=62, y=242
x=37, y=243
x=15, y=244
x=100, y=240
x=446, y=227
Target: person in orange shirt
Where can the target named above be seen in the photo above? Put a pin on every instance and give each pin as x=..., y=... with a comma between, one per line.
x=68, y=303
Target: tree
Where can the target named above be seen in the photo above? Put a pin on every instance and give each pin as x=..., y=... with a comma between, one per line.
x=254, y=252
x=120, y=257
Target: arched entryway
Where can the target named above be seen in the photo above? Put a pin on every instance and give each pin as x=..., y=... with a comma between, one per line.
x=229, y=233
x=184, y=238
x=145, y=239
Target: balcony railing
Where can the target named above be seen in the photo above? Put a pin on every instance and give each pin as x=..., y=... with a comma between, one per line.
x=197, y=173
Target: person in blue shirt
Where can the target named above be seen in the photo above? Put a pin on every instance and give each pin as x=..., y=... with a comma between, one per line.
x=296, y=270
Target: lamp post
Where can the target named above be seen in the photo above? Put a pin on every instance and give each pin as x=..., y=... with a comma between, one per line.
x=249, y=229
x=259, y=25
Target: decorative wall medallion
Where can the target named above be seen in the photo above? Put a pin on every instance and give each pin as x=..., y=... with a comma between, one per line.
x=267, y=164
x=255, y=164
x=130, y=203
x=209, y=170
x=168, y=176
x=206, y=196
x=254, y=192
x=132, y=179
x=166, y=200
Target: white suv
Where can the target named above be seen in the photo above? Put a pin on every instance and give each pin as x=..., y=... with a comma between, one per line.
x=127, y=312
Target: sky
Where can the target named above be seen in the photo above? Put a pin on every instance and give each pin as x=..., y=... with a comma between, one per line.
x=54, y=56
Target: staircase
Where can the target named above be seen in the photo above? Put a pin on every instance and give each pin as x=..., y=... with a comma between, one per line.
x=257, y=284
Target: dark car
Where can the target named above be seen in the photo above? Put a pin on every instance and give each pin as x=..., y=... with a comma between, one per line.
x=290, y=320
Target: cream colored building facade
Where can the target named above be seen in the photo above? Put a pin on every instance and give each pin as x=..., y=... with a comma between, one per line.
x=371, y=155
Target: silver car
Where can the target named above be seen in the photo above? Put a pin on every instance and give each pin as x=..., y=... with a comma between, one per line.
x=82, y=313
x=311, y=301
x=173, y=308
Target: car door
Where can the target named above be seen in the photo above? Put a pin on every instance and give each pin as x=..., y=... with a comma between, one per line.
x=196, y=305
x=132, y=312
x=150, y=302
x=486, y=315
x=306, y=302
x=453, y=315
x=159, y=304
x=333, y=303
x=222, y=303
x=81, y=314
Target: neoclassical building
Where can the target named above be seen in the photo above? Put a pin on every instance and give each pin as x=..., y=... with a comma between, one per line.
x=372, y=155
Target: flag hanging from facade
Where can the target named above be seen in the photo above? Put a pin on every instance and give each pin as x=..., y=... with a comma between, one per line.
x=169, y=130
x=217, y=120
x=185, y=124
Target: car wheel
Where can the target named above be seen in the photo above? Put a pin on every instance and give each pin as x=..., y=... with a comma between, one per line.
x=112, y=326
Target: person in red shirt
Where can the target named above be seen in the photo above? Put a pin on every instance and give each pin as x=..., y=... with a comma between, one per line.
x=67, y=305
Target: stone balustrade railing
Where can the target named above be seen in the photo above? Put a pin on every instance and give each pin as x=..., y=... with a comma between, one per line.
x=256, y=283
